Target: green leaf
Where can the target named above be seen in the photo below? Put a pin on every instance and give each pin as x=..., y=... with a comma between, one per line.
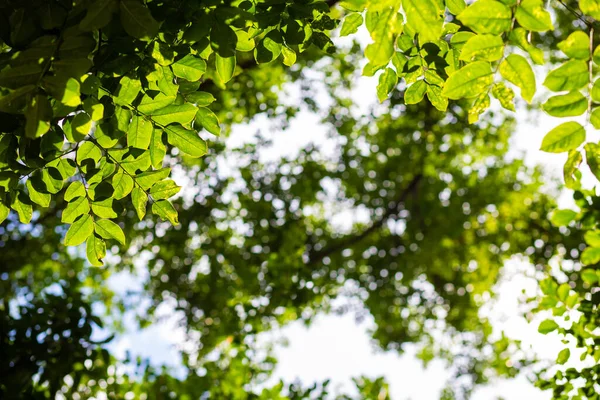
x=104, y=208
x=589, y=276
x=165, y=210
x=129, y=89
x=158, y=150
x=75, y=189
x=567, y=136
x=576, y=45
x=591, y=8
x=387, y=82
x=381, y=51
x=595, y=118
x=137, y=20
x=572, y=75
x=147, y=179
x=14, y=101
x=190, y=68
x=139, y=133
x=79, y=231
x=37, y=115
x=483, y=47
x=469, y=81
x=4, y=211
x=289, y=56
x=107, y=229
x=505, y=96
x=487, y=16
x=424, y=17
x=571, y=171
x=563, y=292
x=200, y=99
x=95, y=250
x=123, y=184
x=456, y=6
x=66, y=90
x=78, y=128
x=36, y=196
x=14, y=78
x=590, y=255
x=182, y=114
x=269, y=48
x=148, y=104
x=186, y=140
x=132, y=160
x=415, y=92
x=225, y=67
x=244, y=41
x=98, y=15
x=139, y=199
x=517, y=71
x=208, y=120
x=592, y=155
x=596, y=91
x=75, y=209
x=568, y=105
x=434, y=94
x=520, y=37
x=547, y=326
x=53, y=177
x=164, y=189
x=562, y=217
x=351, y=24
x=532, y=16
x=563, y=356
x=86, y=151
x=481, y=103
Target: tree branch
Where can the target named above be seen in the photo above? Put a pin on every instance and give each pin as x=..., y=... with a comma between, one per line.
x=350, y=240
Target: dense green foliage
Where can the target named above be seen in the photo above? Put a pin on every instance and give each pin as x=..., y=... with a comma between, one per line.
x=102, y=99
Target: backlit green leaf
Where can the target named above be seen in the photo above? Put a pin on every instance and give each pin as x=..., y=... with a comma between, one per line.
x=517, y=71
x=107, y=229
x=351, y=24
x=75, y=189
x=22, y=205
x=208, y=120
x=190, y=68
x=532, y=16
x=567, y=136
x=95, y=249
x=487, y=16
x=470, y=81
x=164, y=209
x=572, y=75
x=123, y=184
x=76, y=208
x=576, y=45
x=568, y=105
x=547, y=326
x=139, y=199
x=387, y=83
x=186, y=140
x=98, y=15
x=79, y=231
x=225, y=67
x=483, y=47
x=139, y=133
x=164, y=189
x=182, y=114
x=424, y=17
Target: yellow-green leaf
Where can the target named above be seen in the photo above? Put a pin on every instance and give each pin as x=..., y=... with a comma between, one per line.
x=79, y=231
x=567, y=136
x=469, y=81
x=516, y=70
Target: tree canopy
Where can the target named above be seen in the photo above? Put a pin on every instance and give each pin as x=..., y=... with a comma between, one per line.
x=108, y=106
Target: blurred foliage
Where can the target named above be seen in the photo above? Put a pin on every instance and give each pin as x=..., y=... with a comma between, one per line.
x=404, y=213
